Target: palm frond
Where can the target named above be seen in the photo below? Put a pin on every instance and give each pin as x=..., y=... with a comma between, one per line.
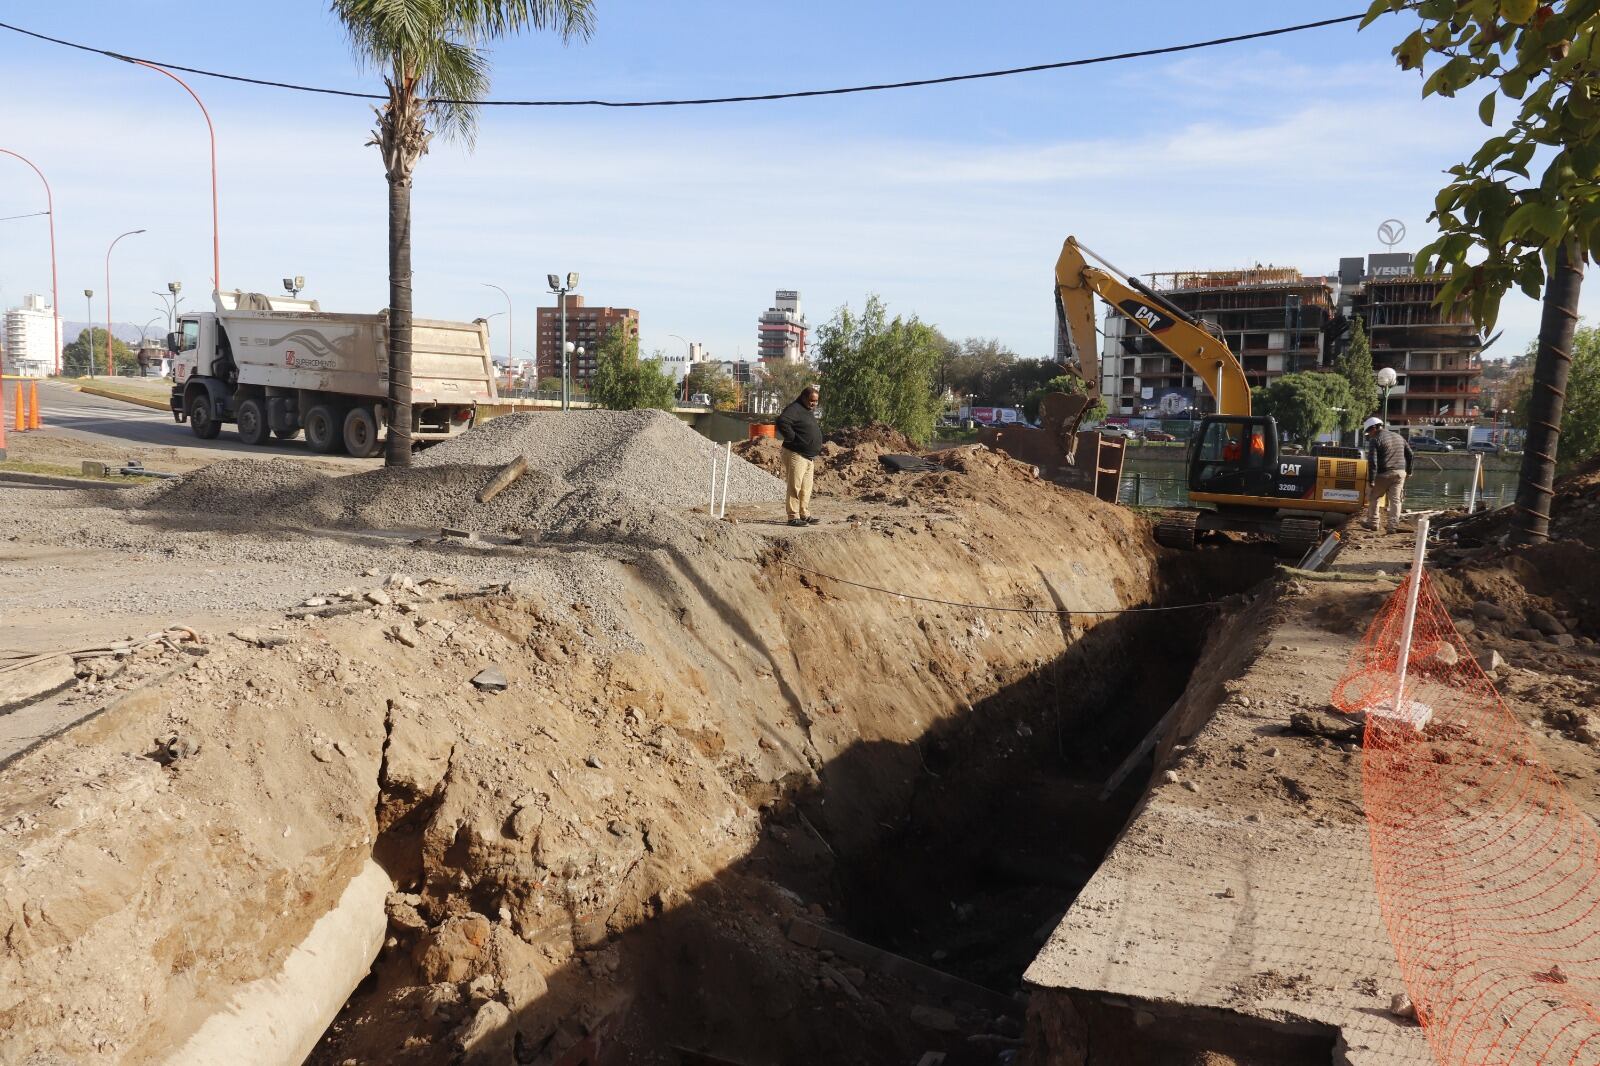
x=434, y=49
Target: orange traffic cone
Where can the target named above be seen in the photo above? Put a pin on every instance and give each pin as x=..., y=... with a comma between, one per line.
x=22, y=409
x=33, y=406
x=2, y=421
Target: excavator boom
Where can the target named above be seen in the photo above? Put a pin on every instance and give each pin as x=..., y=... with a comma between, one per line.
x=1078, y=283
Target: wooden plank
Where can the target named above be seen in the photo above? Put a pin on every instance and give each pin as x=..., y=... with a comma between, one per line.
x=504, y=479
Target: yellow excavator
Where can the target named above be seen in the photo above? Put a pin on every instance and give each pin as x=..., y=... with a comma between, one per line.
x=1236, y=473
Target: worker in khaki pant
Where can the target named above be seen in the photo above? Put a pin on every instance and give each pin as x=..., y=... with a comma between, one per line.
x=1389, y=458
x=802, y=443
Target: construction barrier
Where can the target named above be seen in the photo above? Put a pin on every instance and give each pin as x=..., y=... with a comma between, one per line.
x=1488, y=874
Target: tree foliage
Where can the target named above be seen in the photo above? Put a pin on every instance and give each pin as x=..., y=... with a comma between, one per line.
x=1544, y=59
x=1307, y=404
x=88, y=353
x=877, y=369
x=1355, y=366
x=622, y=381
x=714, y=381
x=779, y=382
x=1580, y=416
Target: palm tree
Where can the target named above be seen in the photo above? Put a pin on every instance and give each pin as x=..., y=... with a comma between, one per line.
x=432, y=59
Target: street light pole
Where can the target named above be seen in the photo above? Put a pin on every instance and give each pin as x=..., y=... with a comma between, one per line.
x=110, y=367
x=561, y=290
x=88, y=343
x=510, y=319
x=216, y=240
x=50, y=212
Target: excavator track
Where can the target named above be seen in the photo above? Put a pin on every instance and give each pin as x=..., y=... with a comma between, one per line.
x=1177, y=529
x=1297, y=536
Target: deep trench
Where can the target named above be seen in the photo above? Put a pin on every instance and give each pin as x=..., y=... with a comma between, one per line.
x=1003, y=825
x=1006, y=823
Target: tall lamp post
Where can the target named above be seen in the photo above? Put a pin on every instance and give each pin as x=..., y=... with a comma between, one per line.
x=688, y=353
x=50, y=211
x=510, y=318
x=216, y=239
x=88, y=343
x=1386, y=379
x=171, y=309
x=561, y=291
x=110, y=367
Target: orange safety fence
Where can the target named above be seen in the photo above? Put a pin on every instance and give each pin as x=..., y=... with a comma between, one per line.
x=1488, y=873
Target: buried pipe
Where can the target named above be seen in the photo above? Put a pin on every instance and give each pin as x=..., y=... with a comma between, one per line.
x=278, y=1019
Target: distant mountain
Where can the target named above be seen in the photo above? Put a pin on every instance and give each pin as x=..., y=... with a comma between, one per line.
x=127, y=332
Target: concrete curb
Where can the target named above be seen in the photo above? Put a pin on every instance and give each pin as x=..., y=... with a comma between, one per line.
x=137, y=401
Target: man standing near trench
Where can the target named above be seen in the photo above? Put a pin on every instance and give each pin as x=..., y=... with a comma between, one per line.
x=1389, y=458
x=802, y=443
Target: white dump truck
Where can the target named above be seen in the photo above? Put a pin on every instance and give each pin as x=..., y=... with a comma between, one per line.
x=274, y=365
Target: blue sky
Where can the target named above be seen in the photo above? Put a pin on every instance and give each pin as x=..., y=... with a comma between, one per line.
x=951, y=202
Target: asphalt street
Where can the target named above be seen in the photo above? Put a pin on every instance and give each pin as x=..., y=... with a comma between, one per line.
x=66, y=409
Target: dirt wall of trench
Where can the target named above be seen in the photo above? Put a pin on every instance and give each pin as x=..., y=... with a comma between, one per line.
x=618, y=783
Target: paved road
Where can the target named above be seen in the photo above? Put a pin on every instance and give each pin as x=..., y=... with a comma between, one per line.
x=65, y=408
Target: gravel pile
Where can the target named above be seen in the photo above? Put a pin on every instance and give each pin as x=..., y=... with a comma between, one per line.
x=648, y=455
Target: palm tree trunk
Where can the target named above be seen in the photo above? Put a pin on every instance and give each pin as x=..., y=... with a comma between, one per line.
x=399, y=444
x=1535, y=487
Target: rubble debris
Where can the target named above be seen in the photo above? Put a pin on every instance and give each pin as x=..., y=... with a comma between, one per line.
x=490, y=679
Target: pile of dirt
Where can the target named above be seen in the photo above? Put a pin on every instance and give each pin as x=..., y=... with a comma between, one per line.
x=849, y=462
x=1574, y=514
x=1537, y=606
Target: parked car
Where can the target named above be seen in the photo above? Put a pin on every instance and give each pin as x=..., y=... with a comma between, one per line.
x=1431, y=444
x=1156, y=434
x=700, y=399
x=1488, y=446
x=1118, y=431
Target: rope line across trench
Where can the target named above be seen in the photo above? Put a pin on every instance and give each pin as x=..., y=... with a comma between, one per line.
x=1059, y=612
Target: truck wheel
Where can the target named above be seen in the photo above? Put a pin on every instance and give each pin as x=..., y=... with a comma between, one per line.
x=323, y=429
x=201, y=418
x=361, y=433
x=251, y=419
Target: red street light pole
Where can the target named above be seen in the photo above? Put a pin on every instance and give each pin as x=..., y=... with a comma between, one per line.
x=50, y=210
x=111, y=368
x=216, y=240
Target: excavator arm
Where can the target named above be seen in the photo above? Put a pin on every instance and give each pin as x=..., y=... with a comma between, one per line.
x=1078, y=283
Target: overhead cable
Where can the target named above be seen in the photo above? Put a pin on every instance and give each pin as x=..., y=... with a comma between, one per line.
x=757, y=98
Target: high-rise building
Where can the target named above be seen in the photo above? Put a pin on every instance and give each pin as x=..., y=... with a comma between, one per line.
x=781, y=333
x=31, y=338
x=1279, y=321
x=1273, y=319
x=586, y=328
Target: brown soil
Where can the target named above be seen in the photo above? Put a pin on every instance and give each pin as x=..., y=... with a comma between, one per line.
x=715, y=745
x=849, y=463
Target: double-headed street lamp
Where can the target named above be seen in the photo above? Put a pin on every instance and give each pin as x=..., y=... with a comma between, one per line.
x=110, y=368
x=561, y=292
x=173, y=289
x=510, y=318
x=293, y=285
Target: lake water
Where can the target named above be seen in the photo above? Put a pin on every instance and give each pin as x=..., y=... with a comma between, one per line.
x=1161, y=484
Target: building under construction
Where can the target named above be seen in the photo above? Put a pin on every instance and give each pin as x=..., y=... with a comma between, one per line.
x=1280, y=321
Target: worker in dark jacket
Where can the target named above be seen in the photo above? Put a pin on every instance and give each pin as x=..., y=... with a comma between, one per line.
x=1389, y=458
x=802, y=443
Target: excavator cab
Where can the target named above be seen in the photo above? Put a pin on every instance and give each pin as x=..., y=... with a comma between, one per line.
x=1234, y=455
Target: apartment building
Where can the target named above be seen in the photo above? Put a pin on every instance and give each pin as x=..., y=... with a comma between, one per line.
x=586, y=328
x=32, y=338
x=782, y=331
x=1277, y=320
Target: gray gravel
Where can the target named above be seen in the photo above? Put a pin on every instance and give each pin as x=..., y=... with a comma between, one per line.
x=649, y=455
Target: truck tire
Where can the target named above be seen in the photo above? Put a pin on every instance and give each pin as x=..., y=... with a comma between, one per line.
x=361, y=433
x=324, y=429
x=202, y=420
x=251, y=418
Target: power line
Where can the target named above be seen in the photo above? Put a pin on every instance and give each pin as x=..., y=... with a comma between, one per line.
x=758, y=98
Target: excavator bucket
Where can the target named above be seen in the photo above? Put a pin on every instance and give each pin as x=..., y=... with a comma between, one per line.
x=1053, y=447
